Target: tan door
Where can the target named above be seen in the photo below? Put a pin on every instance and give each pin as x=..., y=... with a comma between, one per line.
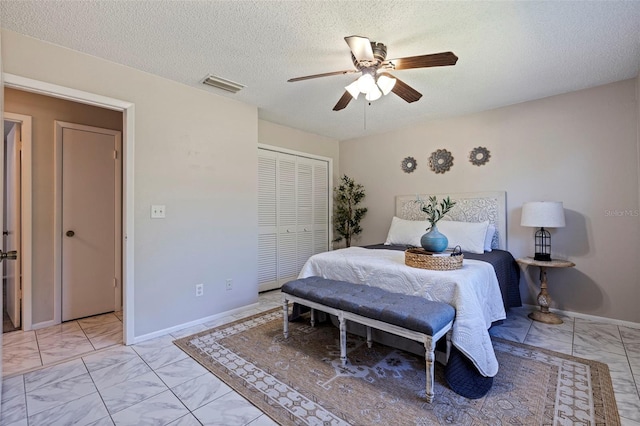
x=90, y=220
x=12, y=269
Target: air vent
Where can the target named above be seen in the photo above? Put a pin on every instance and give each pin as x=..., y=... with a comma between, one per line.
x=221, y=83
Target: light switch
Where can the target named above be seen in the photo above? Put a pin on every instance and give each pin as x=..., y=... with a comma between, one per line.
x=158, y=211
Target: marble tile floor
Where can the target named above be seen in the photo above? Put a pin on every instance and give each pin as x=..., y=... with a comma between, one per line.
x=152, y=383
x=28, y=350
x=156, y=383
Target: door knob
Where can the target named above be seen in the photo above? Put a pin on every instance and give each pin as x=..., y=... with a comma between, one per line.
x=12, y=255
x=70, y=233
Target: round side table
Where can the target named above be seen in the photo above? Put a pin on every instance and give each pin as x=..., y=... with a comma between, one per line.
x=544, y=299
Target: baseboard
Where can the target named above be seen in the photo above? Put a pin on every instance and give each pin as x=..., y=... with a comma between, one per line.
x=594, y=318
x=163, y=332
x=43, y=324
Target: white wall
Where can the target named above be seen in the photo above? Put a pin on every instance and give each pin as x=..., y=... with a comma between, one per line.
x=638, y=135
x=297, y=140
x=195, y=152
x=580, y=148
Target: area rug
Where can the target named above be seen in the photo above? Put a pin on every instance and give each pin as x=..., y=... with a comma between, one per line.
x=300, y=380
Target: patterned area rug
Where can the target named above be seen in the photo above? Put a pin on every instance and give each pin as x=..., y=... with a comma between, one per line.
x=300, y=380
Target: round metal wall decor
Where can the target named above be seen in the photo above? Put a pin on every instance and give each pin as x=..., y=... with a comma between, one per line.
x=409, y=164
x=479, y=156
x=440, y=161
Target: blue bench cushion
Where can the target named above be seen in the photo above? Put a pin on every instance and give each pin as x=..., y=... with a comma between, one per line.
x=411, y=312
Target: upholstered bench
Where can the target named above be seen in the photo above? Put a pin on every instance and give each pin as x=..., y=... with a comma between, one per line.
x=412, y=317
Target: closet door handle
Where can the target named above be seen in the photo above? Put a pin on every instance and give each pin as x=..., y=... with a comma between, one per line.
x=70, y=233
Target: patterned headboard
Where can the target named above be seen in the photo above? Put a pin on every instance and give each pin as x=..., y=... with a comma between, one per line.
x=470, y=207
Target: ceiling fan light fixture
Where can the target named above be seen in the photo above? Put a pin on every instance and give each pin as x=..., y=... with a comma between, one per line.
x=353, y=89
x=373, y=94
x=370, y=59
x=386, y=84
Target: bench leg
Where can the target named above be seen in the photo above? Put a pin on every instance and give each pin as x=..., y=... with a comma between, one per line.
x=285, y=317
x=429, y=358
x=343, y=340
x=369, y=337
x=313, y=317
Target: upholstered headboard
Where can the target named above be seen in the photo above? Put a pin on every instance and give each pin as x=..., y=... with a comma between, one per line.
x=470, y=207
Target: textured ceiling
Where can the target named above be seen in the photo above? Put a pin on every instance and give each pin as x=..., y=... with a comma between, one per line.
x=510, y=51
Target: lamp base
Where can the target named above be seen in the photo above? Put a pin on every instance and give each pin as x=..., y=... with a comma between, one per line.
x=544, y=257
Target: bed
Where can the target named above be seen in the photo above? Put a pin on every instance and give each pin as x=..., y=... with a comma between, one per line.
x=481, y=291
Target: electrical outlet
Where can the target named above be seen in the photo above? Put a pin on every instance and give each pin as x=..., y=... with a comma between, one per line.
x=229, y=284
x=199, y=290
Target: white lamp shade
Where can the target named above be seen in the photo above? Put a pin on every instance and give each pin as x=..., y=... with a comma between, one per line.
x=353, y=89
x=543, y=214
x=366, y=83
x=386, y=84
x=373, y=94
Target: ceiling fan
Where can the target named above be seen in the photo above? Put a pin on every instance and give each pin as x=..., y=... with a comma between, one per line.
x=369, y=58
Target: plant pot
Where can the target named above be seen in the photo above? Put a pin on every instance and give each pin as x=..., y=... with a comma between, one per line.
x=434, y=241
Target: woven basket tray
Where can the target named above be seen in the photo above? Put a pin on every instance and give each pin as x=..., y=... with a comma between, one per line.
x=420, y=258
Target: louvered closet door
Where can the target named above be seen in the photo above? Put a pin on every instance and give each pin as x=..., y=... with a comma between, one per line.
x=293, y=215
x=287, y=218
x=304, y=189
x=267, y=220
x=320, y=206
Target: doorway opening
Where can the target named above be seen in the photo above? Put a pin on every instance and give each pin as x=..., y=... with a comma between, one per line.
x=17, y=221
x=127, y=243
x=11, y=311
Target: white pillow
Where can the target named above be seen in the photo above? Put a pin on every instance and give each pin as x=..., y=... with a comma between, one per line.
x=469, y=236
x=488, y=239
x=406, y=232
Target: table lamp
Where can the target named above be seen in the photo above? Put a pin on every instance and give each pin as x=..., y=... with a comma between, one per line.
x=543, y=214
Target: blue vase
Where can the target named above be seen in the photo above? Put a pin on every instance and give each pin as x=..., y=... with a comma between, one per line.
x=434, y=241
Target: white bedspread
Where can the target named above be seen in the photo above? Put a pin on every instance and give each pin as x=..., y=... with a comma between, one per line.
x=472, y=290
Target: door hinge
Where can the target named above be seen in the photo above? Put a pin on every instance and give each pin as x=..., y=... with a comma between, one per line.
x=115, y=283
x=115, y=155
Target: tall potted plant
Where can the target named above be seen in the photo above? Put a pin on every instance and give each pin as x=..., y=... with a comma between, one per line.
x=347, y=215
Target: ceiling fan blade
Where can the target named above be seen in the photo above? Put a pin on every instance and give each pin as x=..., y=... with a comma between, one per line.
x=405, y=91
x=343, y=102
x=422, y=61
x=326, y=74
x=360, y=47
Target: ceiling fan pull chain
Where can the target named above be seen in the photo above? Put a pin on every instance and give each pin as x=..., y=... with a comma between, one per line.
x=364, y=112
